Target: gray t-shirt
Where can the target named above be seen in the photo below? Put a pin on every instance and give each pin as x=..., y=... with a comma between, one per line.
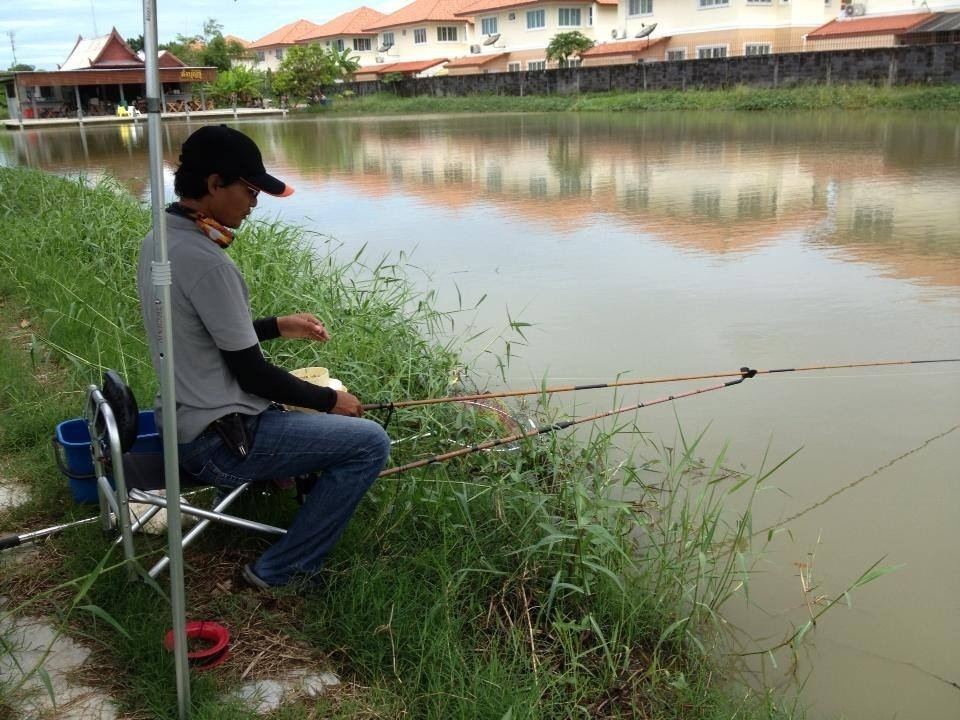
x=210, y=309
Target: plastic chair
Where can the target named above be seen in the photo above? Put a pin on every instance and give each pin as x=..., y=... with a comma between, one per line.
x=122, y=476
x=122, y=111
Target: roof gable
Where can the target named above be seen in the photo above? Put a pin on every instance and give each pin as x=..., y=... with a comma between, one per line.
x=421, y=11
x=105, y=51
x=349, y=23
x=287, y=34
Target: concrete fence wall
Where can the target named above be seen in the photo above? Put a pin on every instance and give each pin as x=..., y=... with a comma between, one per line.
x=904, y=65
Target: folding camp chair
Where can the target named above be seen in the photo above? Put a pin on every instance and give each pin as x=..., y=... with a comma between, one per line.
x=123, y=476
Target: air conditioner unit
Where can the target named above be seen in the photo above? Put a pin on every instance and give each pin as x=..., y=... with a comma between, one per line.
x=379, y=58
x=475, y=49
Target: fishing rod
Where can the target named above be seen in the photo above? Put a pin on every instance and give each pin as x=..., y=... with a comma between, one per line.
x=641, y=381
x=744, y=374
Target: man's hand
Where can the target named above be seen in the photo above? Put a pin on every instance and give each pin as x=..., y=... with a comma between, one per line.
x=302, y=325
x=347, y=404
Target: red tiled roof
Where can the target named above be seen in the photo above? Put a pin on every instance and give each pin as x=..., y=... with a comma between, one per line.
x=167, y=59
x=626, y=47
x=880, y=25
x=421, y=11
x=413, y=66
x=475, y=60
x=482, y=6
x=350, y=23
x=287, y=35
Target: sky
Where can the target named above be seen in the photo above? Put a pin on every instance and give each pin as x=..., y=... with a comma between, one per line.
x=44, y=31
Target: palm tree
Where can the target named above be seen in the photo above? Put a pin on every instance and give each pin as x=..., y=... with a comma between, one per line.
x=567, y=44
x=346, y=63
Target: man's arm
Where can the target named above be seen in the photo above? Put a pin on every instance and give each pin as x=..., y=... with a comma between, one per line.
x=259, y=377
x=267, y=328
x=301, y=325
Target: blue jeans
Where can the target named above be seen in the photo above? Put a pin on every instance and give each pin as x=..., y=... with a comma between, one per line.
x=348, y=453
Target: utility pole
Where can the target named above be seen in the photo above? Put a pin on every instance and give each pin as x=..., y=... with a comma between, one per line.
x=13, y=45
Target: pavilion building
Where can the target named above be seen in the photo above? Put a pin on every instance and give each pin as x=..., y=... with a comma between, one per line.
x=100, y=75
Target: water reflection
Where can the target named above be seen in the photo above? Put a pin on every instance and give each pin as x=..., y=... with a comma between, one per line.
x=881, y=189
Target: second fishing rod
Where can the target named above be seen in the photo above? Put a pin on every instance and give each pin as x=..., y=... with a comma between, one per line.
x=641, y=381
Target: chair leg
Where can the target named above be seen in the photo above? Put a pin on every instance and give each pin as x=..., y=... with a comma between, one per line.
x=208, y=517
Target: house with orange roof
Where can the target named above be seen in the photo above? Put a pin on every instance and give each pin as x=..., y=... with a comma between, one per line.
x=346, y=32
x=423, y=30
x=268, y=51
x=518, y=32
x=726, y=28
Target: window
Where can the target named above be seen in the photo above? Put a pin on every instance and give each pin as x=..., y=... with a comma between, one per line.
x=713, y=3
x=261, y=56
x=339, y=44
x=759, y=2
x=536, y=19
x=420, y=36
x=361, y=44
x=568, y=17
x=590, y=15
x=640, y=7
x=680, y=54
x=488, y=26
x=387, y=39
x=278, y=53
x=447, y=33
x=712, y=51
x=537, y=65
x=756, y=49
x=513, y=67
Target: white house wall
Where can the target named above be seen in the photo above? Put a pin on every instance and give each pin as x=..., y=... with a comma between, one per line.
x=406, y=49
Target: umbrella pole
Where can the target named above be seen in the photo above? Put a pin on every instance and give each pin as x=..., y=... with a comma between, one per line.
x=161, y=278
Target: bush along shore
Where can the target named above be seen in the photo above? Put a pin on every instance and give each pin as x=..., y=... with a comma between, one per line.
x=742, y=98
x=544, y=581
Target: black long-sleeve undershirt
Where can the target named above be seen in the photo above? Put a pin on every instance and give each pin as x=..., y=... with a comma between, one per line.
x=258, y=377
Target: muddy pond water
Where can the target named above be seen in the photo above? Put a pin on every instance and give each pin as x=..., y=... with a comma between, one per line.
x=662, y=244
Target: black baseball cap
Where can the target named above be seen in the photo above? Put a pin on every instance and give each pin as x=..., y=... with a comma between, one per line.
x=222, y=150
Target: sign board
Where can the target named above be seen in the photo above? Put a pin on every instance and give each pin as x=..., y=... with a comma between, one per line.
x=191, y=75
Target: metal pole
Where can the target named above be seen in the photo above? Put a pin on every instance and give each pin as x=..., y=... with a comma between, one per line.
x=76, y=94
x=162, y=277
x=16, y=94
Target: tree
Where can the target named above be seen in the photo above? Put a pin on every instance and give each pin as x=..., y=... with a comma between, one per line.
x=565, y=45
x=246, y=84
x=344, y=62
x=304, y=69
x=186, y=47
x=22, y=67
x=135, y=43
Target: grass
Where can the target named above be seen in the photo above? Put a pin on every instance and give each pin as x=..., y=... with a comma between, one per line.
x=546, y=582
x=741, y=98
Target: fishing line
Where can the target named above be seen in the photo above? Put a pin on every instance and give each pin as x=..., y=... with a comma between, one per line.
x=391, y=406
x=856, y=482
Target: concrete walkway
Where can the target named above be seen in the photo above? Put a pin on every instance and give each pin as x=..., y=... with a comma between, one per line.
x=36, y=124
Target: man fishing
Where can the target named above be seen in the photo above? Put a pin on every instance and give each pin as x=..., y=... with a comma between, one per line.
x=230, y=428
